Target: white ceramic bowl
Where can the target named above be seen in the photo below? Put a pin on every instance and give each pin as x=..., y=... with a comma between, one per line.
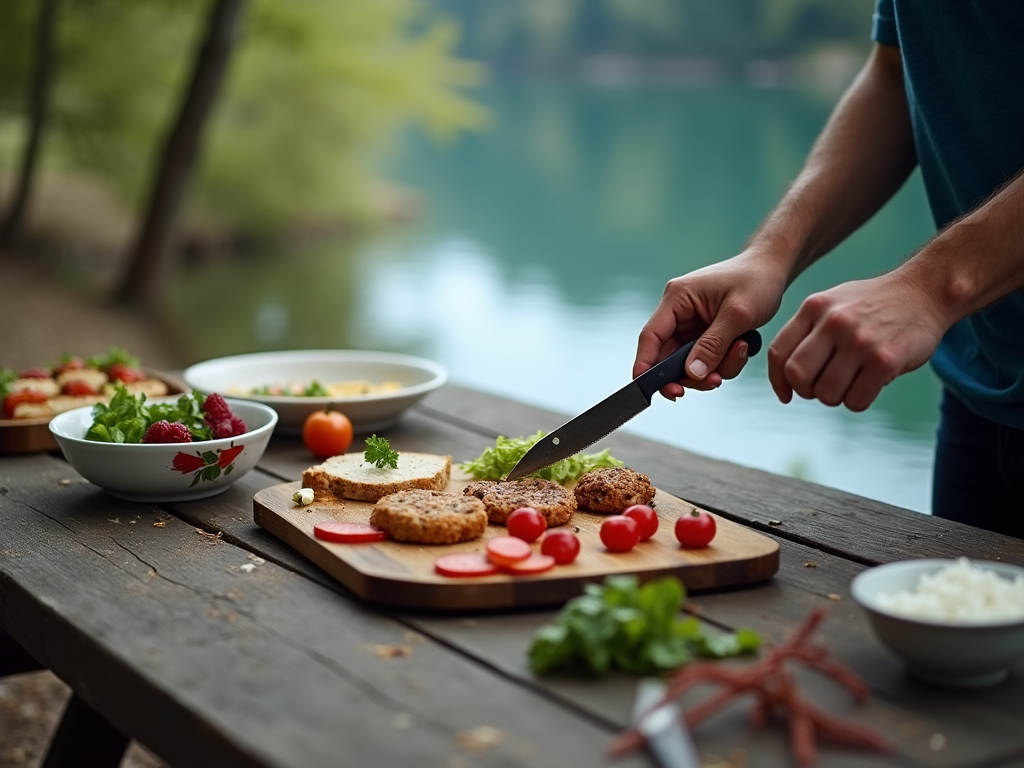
x=950, y=655
x=156, y=472
x=368, y=413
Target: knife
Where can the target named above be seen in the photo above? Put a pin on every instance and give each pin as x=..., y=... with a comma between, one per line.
x=612, y=412
x=663, y=726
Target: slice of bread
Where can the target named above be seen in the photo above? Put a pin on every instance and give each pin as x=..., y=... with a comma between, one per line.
x=351, y=476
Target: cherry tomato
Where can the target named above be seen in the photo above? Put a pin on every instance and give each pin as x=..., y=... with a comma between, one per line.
x=327, y=433
x=77, y=387
x=532, y=564
x=125, y=373
x=526, y=523
x=645, y=517
x=71, y=363
x=695, y=529
x=506, y=550
x=348, y=533
x=620, y=533
x=465, y=564
x=563, y=546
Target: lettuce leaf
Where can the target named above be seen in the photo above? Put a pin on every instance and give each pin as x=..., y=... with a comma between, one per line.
x=496, y=462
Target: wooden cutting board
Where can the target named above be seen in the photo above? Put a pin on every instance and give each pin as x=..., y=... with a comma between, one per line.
x=397, y=574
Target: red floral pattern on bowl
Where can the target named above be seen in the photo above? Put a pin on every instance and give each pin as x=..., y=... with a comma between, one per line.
x=208, y=464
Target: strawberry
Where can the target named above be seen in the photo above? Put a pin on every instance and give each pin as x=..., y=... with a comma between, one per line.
x=216, y=407
x=166, y=432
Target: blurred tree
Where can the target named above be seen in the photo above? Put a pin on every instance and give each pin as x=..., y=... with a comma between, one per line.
x=38, y=107
x=314, y=91
x=147, y=265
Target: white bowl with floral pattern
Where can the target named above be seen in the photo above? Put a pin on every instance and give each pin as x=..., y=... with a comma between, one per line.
x=162, y=472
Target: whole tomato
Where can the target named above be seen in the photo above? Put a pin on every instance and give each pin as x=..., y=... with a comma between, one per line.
x=645, y=517
x=695, y=529
x=561, y=545
x=327, y=433
x=620, y=533
x=526, y=523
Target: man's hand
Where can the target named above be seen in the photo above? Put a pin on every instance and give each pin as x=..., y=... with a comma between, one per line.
x=846, y=343
x=716, y=303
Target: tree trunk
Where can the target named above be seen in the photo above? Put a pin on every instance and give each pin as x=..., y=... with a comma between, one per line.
x=39, y=107
x=151, y=255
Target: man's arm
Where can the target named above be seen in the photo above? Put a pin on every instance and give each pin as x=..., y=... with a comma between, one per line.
x=845, y=344
x=861, y=159
x=864, y=155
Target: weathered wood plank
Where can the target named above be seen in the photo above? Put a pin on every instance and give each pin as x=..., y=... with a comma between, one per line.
x=859, y=529
x=975, y=728
x=165, y=633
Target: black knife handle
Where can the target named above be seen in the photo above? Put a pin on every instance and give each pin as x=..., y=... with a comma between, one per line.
x=672, y=367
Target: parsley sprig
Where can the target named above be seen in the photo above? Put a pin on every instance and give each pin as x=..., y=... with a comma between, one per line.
x=379, y=452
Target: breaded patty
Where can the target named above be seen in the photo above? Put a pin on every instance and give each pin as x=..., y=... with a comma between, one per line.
x=611, y=490
x=429, y=517
x=502, y=498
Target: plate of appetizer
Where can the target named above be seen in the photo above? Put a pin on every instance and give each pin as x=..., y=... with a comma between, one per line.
x=31, y=397
x=372, y=389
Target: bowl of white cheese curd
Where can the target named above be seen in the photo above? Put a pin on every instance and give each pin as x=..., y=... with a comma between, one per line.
x=956, y=623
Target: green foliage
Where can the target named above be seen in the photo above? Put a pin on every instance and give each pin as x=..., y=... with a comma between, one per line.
x=620, y=625
x=314, y=90
x=7, y=375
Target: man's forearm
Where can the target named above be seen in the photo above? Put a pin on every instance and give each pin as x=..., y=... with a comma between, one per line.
x=976, y=260
x=861, y=159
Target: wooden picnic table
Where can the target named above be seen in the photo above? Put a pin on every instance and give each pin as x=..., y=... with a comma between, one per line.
x=146, y=613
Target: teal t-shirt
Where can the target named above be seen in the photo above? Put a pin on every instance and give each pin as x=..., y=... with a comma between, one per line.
x=963, y=65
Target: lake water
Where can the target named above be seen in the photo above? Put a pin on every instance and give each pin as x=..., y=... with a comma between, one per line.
x=544, y=245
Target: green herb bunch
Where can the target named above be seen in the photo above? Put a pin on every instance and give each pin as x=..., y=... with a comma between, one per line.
x=620, y=625
x=495, y=463
x=127, y=417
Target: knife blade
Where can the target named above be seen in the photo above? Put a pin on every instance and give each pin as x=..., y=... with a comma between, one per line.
x=663, y=727
x=612, y=412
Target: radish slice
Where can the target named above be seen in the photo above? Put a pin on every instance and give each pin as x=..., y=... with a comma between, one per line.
x=348, y=533
x=464, y=564
x=506, y=550
x=532, y=564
